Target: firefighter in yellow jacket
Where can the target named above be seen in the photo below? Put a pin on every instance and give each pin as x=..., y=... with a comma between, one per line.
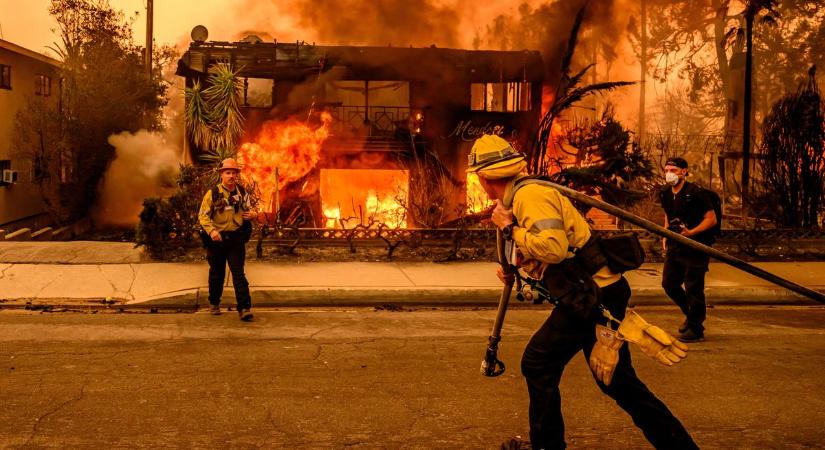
x=225, y=218
x=548, y=230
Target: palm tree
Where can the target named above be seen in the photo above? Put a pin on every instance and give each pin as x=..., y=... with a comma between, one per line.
x=213, y=117
x=567, y=93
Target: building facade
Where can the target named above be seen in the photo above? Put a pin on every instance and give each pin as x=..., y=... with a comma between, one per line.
x=25, y=76
x=392, y=107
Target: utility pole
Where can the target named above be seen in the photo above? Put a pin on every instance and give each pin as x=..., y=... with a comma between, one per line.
x=149, y=35
x=643, y=62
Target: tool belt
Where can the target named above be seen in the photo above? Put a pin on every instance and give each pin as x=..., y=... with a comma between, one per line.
x=570, y=282
x=243, y=234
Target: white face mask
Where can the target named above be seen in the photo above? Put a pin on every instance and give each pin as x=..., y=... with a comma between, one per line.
x=671, y=178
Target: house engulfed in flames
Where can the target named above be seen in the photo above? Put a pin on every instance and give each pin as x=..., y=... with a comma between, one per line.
x=335, y=136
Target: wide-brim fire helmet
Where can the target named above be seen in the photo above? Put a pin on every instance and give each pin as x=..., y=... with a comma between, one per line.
x=229, y=164
x=493, y=157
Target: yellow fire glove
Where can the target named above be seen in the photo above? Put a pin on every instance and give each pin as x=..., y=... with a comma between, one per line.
x=654, y=341
x=605, y=354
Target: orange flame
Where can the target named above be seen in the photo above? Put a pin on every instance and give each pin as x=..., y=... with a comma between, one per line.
x=292, y=147
x=367, y=197
x=477, y=199
x=547, y=97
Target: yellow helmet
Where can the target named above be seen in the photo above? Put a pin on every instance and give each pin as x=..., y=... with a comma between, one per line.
x=493, y=157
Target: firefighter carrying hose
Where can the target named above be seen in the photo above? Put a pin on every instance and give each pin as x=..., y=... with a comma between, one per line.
x=555, y=246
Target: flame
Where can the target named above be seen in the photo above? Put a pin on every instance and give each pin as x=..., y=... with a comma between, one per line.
x=547, y=97
x=477, y=199
x=292, y=147
x=363, y=196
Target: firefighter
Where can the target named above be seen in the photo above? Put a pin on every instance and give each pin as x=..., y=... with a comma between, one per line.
x=225, y=219
x=547, y=229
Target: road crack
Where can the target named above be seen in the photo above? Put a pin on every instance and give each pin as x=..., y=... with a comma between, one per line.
x=51, y=412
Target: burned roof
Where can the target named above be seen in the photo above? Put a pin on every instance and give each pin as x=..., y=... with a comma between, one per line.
x=297, y=61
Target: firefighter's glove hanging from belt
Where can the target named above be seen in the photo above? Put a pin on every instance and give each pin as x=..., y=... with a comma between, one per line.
x=605, y=354
x=654, y=341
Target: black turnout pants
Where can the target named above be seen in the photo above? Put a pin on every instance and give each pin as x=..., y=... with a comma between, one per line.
x=232, y=250
x=689, y=270
x=551, y=348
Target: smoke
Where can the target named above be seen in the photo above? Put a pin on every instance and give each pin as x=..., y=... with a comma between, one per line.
x=146, y=165
x=398, y=23
x=602, y=40
x=381, y=22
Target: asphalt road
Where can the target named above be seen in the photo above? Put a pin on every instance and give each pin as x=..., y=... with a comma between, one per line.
x=381, y=379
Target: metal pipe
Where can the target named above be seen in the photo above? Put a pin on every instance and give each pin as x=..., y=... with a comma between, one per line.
x=710, y=251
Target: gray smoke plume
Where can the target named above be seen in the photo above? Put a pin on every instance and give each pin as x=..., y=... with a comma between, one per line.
x=145, y=165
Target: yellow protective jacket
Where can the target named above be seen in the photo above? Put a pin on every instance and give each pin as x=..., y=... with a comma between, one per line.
x=548, y=225
x=225, y=218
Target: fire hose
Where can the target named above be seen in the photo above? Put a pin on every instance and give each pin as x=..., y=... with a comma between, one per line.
x=491, y=366
x=710, y=251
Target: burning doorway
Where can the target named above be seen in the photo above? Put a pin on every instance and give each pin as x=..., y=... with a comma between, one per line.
x=363, y=196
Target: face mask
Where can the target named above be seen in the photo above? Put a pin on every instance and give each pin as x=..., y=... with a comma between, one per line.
x=671, y=178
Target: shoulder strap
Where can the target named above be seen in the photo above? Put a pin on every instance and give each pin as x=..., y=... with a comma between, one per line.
x=532, y=179
x=215, y=195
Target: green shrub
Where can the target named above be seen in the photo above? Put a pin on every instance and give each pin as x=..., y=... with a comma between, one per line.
x=168, y=226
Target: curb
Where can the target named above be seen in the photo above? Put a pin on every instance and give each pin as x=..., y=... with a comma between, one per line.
x=191, y=299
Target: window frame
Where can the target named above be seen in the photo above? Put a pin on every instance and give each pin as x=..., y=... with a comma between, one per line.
x=5, y=76
x=508, y=96
x=43, y=85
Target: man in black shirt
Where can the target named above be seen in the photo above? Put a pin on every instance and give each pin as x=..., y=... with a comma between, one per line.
x=688, y=211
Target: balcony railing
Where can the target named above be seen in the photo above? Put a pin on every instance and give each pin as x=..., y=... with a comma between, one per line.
x=372, y=121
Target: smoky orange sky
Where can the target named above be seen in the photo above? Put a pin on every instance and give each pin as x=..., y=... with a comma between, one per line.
x=420, y=23
x=27, y=23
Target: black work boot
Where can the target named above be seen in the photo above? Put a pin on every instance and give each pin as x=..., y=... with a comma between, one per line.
x=692, y=335
x=516, y=443
x=245, y=315
x=683, y=327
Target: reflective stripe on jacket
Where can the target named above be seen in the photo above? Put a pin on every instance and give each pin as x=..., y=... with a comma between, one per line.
x=549, y=225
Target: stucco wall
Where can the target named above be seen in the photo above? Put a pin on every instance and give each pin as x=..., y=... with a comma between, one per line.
x=22, y=199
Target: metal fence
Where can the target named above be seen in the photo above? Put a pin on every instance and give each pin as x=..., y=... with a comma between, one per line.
x=379, y=237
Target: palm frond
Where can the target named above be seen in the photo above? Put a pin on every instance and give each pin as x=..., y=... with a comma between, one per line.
x=579, y=94
x=223, y=98
x=576, y=79
x=197, y=116
x=567, y=57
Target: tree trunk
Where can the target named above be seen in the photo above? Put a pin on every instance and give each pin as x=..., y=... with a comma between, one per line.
x=643, y=62
x=722, y=64
x=746, y=133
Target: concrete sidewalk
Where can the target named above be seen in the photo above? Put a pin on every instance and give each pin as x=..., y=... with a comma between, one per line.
x=119, y=278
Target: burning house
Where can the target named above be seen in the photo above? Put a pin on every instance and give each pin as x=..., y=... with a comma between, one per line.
x=338, y=135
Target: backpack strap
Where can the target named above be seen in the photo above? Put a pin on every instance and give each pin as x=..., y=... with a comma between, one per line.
x=507, y=201
x=216, y=194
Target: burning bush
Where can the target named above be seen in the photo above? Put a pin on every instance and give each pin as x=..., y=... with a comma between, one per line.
x=601, y=158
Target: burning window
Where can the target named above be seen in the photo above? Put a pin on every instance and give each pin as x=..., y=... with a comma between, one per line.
x=5, y=77
x=500, y=97
x=362, y=196
x=258, y=92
